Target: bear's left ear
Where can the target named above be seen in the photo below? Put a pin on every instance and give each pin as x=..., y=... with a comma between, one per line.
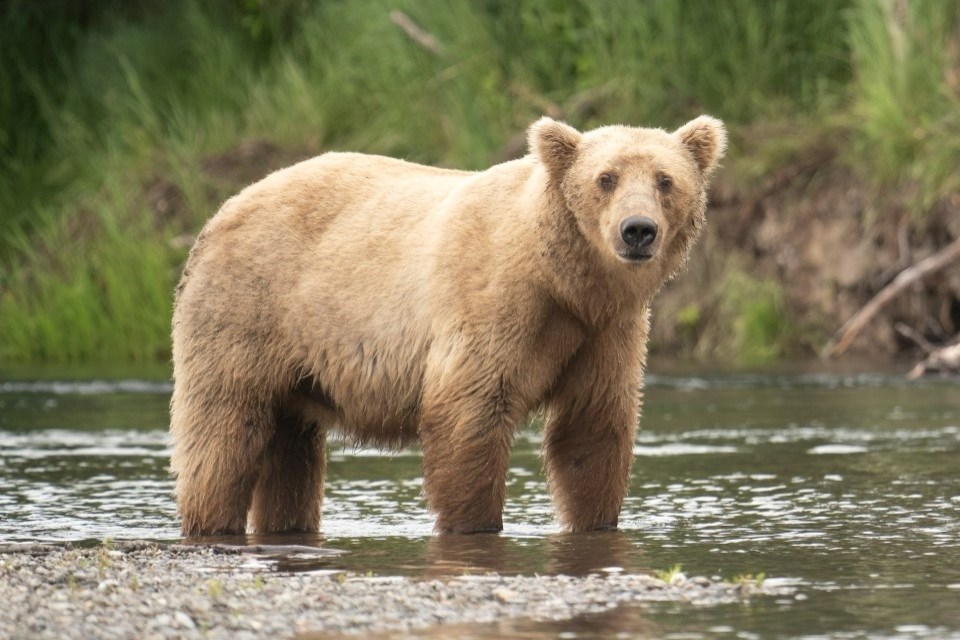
x=554, y=144
x=706, y=138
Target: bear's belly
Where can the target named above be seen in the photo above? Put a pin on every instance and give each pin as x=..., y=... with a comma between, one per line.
x=365, y=403
x=395, y=432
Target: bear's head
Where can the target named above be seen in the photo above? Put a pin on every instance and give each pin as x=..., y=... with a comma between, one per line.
x=638, y=195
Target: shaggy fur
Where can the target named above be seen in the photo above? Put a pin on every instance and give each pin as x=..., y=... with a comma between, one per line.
x=394, y=302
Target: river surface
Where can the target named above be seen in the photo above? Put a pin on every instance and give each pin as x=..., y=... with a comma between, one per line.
x=847, y=486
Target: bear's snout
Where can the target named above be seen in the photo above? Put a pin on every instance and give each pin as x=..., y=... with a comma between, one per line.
x=638, y=233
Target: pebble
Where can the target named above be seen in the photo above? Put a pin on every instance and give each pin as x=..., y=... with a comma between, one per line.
x=505, y=595
x=146, y=590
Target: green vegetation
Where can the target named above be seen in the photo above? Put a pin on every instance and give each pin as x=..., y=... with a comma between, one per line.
x=906, y=94
x=215, y=588
x=750, y=580
x=669, y=575
x=754, y=310
x=118, y=118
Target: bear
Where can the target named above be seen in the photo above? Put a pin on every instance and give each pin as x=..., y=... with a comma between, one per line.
x=394, y=303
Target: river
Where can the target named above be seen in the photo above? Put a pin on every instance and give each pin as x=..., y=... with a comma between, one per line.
x=844, y=485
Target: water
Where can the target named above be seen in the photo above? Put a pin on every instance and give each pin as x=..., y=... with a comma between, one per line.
x=848, y=486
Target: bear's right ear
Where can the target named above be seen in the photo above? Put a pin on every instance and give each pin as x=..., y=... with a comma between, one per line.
x=554, y=144
x=706, y=139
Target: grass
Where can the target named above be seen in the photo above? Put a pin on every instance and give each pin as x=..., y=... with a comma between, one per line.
x=742, y=318
x=96, y=109
x=906, y=95
x=754, y=309
x=109, y=303
x=215, y=588
x=669, y=575
x=746, y=580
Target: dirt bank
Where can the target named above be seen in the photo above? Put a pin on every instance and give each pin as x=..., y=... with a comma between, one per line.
x=793, y=255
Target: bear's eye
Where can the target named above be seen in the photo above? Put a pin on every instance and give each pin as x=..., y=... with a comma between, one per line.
x=607, y=181
x=664, y=183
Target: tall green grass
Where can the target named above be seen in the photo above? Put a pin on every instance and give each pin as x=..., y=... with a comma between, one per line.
x=106, y=302
x=906, y=94
x=151, y=92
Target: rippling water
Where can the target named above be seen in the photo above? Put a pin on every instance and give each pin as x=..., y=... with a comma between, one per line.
x=848, y=486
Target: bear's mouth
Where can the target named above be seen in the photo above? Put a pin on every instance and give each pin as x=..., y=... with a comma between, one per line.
x=636, y=255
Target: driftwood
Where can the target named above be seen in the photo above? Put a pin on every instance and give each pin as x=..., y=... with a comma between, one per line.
x=852, y=328
x=943, y=360
x=916, y=337
x=937, y=358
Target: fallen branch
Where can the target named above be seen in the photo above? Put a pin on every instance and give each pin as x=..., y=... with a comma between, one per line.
x=426, y=40
x=916, y=337
x=852, y=328
x=943, y=360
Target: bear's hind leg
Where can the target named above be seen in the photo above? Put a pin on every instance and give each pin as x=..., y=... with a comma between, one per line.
x=289, y=492
x=216, y=457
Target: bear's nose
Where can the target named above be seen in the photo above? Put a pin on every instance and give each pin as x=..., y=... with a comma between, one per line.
x=638, y=231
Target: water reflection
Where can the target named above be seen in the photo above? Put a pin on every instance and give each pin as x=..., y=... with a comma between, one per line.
x=623, y=621
x=575, y=554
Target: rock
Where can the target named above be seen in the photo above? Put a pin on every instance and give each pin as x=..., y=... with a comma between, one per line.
x=183, y=620
x=505, y=595
x=107, y=585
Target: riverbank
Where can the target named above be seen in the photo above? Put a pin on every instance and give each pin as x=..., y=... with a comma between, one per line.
x=146, y=590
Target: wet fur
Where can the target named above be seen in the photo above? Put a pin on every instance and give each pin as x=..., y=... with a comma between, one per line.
x=395, y=303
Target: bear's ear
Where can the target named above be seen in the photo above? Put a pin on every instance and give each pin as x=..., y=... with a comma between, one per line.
x=706, y=138
x=554, y=144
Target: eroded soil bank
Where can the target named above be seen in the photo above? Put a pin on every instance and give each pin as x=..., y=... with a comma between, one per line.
x=789, y=257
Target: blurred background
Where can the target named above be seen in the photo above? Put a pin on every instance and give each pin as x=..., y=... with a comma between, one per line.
x=125, y=123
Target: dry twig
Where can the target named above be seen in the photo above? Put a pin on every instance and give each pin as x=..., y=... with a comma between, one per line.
x=426, y=40
x=915, y=337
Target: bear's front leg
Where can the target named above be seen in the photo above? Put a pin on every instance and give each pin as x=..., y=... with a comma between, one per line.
x=592, y=415
x=466, y=432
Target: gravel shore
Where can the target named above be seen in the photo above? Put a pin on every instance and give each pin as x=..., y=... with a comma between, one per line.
x=146, y=590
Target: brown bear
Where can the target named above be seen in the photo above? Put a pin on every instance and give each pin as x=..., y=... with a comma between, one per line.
x=393, y=302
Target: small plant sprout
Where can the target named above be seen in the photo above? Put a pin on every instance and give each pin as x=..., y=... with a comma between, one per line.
x=215, y=587
x=673, y=575
x=103, y=561
x=746, y=580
